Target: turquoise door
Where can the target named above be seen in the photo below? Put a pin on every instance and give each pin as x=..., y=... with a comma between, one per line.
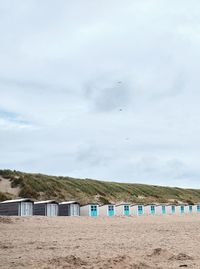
x=153, y=209
x=173, y=209
x=163, y=209
x=182, y=209
x=93, y=211
x=126, y=210
x=111, y=211
x=190, y=208
x=198, y=208
x=140, y=210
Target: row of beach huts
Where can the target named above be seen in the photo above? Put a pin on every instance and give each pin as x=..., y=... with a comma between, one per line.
x=28, y=207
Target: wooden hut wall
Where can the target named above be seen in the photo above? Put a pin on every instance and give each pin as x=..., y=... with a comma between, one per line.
x=64, y=210
x=40, y=209
x=10, y=209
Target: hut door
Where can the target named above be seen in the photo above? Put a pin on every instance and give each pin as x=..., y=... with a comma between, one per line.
x=182, y=209
x=190, y=208
x=126, y=210
x=110, y=210
x=51, y=210
x=140, y=210
x=74, y=210
x=163, y=209
x=93, y=210
x=173, y=209
x=153, y=211
x=26, y=209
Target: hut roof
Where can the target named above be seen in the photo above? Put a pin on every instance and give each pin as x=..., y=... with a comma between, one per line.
x=106, y=204
x=17, y=200
x=137, y=204
x=45, y=202
x=90, y=204
x=68, y=202
x=123, y=204
x=151, y=204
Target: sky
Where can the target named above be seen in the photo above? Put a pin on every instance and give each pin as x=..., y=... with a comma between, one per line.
x=101, y=89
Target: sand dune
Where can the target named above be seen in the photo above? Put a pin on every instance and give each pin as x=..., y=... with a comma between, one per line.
x=94, y=243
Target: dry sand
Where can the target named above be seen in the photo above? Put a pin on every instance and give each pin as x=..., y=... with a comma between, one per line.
x=117, y=242
x=5, y=187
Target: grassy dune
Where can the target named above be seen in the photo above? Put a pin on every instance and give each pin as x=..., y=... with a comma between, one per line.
x=39, y=186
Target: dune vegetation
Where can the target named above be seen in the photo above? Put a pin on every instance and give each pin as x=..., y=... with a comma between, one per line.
x=39, y=186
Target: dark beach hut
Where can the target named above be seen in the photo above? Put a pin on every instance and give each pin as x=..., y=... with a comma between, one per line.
x=47, y=208
x=17, y=207
x=69, y=208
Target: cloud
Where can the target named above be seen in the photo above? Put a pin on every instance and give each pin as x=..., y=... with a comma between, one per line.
x=107, y=96
x=103, y=90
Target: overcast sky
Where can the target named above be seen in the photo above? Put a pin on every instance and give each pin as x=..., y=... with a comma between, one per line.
x=101, y=89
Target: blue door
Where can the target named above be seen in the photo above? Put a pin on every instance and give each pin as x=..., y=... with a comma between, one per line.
x=190, y=208
x=111, y=211
x=173, y=209
x=140, y=210
x=93, y=210
x=163, y=209
x=182, y=209
x=153, y=209
x=198, y=208
x=126, y=210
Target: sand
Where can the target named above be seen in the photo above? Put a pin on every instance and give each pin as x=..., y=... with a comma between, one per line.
x=118, y=242
x=5, y=187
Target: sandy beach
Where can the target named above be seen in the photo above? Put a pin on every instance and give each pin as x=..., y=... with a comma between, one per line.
x=94, y=243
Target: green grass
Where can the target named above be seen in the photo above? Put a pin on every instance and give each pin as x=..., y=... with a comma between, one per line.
x=39, y=186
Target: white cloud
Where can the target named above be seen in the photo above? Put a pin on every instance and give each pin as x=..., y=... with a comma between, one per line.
x=101, y=89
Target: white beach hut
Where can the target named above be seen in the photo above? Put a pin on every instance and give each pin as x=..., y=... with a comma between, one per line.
x=196, y=208
x=137, y=210
x=161, y=209
x=107, y=210
x=150, y=209
x=122, y=209
x=171, y=209
x=189, y=209
x=181, y=209
x=91, y=210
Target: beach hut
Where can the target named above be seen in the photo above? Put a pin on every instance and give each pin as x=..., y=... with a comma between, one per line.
x=171, y=209
x=69, y=208
x=150, y=209
x=137, y=210
x=196, y=208
x=107, y=210
x=17, y=207
x=189, y=209
x=181, y=209
x=161, y=209
x=91, y=210
x=47, y=208
x=122, y=210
